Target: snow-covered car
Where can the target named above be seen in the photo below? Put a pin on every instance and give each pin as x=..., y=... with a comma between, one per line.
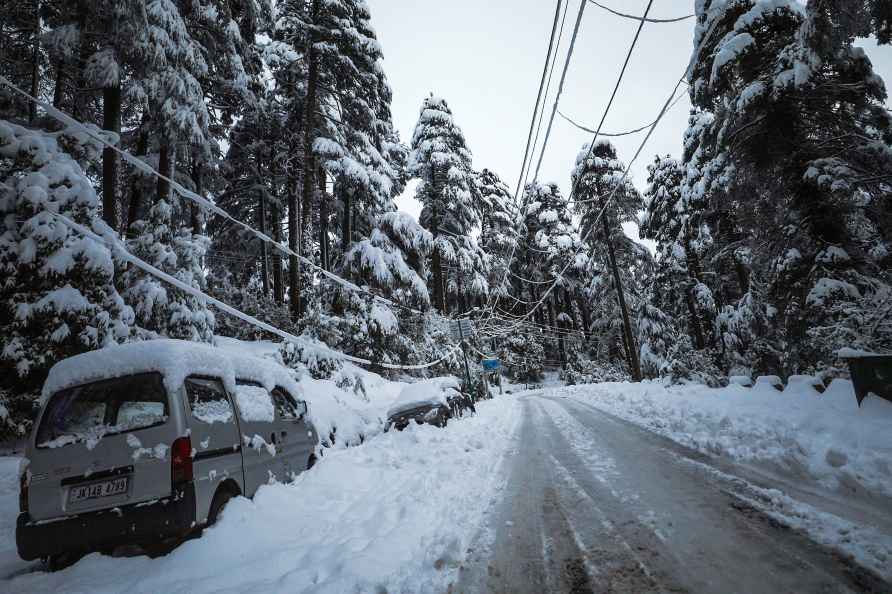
x=145, y=443
x=431, y=402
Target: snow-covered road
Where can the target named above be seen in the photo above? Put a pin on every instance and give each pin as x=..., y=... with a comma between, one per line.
x=597, y=504
x=543, y=491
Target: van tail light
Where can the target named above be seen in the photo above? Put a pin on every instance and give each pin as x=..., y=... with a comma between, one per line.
x=181, y=461
x=23, y=492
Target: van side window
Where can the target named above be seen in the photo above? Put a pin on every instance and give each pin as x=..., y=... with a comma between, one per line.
x=208, y=400
x=286, y=407
x=254, y=402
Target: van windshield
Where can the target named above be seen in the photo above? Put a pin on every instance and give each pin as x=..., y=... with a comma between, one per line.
x=90, y=412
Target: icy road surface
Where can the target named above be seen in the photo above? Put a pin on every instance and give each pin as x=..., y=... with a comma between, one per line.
x=596, y=504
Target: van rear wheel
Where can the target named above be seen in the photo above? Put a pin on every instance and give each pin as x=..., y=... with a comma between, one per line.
x=60, y=561
x=311, y=462
x=220, y=500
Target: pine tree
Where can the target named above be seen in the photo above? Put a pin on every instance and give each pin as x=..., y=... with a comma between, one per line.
x=162, y=310
x=442, y=163
x=678, y=268
x=785, y=161
x=606, y=200
x=344, y=116
x=58, y=295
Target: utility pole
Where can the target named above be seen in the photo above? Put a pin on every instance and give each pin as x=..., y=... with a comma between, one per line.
x=464, y=350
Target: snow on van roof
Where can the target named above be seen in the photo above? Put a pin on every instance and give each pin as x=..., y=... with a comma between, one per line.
x=174, y=359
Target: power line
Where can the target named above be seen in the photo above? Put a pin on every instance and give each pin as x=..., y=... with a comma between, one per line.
x=560, y=90
x=550, y=60
x=609, y=198
x=557, y=51
x=615, y=134
x=644, y=18
x=603, y=118
x=545, y=68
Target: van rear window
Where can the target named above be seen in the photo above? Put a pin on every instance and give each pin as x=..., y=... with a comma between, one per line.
x=90, y=412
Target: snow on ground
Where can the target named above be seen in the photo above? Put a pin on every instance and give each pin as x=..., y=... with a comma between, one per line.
x=822, y=437
x=9, y=510
x=395, y=514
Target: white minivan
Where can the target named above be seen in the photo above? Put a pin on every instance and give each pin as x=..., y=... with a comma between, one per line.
x=146, y=442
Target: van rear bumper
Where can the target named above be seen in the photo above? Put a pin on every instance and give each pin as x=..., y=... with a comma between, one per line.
x=132, y=524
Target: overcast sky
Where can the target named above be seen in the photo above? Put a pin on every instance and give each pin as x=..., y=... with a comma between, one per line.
x=485, y=58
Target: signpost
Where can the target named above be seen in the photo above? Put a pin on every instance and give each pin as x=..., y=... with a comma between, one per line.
x=460, y=331
x=493, y=366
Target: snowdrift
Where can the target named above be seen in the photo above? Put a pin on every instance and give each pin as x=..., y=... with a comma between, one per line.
x=822, y=437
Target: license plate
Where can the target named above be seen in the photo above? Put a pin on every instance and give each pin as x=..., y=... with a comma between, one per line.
x=97, y=490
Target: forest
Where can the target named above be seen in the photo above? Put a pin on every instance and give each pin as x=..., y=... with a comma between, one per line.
x=246, y=150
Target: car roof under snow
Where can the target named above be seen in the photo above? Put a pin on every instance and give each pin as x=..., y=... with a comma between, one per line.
x=427, y=392
x=174, y=359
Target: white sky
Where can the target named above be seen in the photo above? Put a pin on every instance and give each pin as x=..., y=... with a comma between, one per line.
x=485, y=58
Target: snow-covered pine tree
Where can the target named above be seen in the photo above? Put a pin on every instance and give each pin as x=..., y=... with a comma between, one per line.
x=677, y=267
x=605, y=202
x=787, y=194
x=441, y=161
x=655, y=331
x=58, y=295
x=162, y=310
x=393, y=260
x=497, y=215
x=551, y=242
x=344, y=115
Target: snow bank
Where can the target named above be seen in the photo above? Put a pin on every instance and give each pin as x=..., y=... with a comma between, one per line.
x=823, y=437
x=394, y=515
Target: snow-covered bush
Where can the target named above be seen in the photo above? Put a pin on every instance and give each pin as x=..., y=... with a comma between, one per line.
x=687, y=365
x=581, y=370
x=305, y=358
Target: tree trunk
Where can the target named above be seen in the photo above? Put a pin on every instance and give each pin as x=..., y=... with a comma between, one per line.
x=347, y=221
x=437, y=270
x=264, y=256
x=309, y=133
x=165, y=168
x=83, y=15
x=629, y=340
x=59, y=89
x=586, y=316
x=135, y=205
x=323, y=222
x=35, y=66
x=278, y=284
x=293, y=261
x=696, y=324
x=111, y=121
